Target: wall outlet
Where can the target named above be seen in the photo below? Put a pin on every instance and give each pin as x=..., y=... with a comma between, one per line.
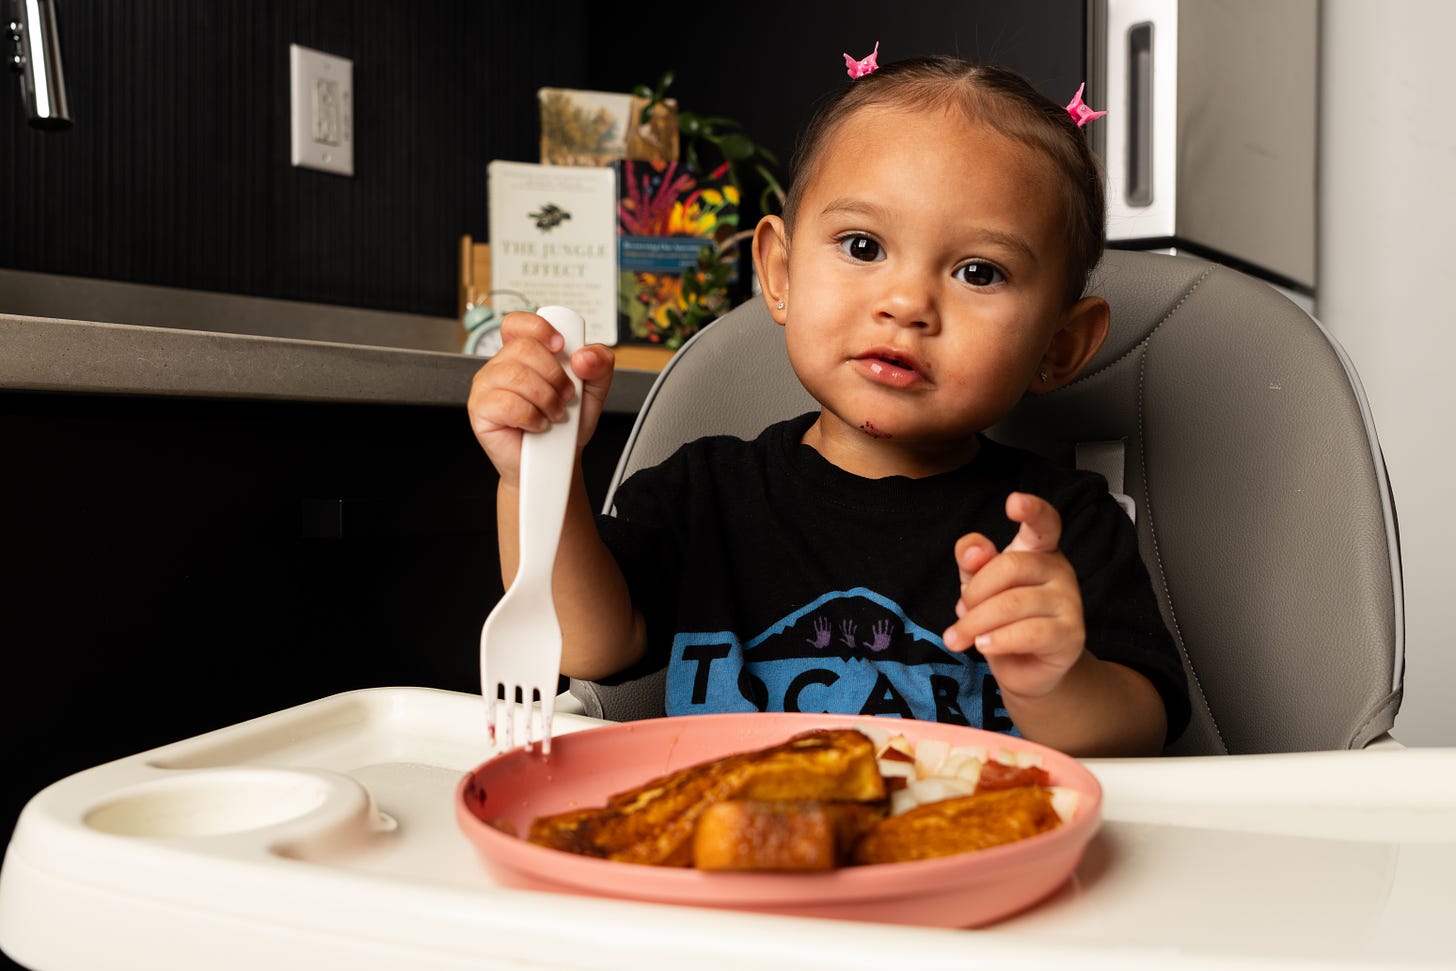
x=322, y=110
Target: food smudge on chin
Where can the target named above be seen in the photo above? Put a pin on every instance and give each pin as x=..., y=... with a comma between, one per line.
x=869, y=429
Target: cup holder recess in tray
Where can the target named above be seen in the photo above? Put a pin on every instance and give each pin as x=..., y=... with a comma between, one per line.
x=223, y=801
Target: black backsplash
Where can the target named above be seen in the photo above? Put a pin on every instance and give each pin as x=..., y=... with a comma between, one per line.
x=177, y=170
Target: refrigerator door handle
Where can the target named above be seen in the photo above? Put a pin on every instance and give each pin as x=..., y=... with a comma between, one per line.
x=1141, y=69
x=1142, y=100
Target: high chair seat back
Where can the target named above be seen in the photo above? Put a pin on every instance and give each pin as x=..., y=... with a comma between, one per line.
x=1238, y=434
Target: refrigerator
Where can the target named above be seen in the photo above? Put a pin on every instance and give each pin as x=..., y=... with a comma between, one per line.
x=1210, y=144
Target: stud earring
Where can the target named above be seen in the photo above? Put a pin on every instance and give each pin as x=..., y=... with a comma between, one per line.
x=781, y=305
x=1043, y=376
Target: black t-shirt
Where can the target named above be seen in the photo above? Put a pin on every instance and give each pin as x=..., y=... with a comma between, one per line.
x=772, y=580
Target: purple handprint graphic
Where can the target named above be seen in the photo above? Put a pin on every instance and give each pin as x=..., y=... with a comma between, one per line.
x=822, y=631
x=882, y=631
x=846, y=633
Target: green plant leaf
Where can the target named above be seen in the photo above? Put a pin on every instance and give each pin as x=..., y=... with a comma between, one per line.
x=736, y=148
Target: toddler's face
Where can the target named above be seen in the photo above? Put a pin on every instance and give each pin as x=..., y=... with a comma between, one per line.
x=924, y=277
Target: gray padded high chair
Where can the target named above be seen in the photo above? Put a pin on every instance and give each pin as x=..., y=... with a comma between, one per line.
x=1238, y=432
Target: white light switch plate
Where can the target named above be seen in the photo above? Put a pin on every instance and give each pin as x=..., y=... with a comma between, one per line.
x=323, y=110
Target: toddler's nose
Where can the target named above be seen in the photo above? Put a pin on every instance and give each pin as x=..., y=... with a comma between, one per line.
x=909, y=301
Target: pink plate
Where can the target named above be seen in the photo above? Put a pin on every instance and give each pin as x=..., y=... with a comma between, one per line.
x=586, y=767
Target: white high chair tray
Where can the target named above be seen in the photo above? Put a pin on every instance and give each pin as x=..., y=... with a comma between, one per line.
x=324, y=836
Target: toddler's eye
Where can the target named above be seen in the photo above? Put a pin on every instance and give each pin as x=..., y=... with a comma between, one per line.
x=979, y=274
x=861, y=248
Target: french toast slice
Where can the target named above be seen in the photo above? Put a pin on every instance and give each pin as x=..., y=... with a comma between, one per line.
x=754, y=834
x=654, y=823
x=959, y=825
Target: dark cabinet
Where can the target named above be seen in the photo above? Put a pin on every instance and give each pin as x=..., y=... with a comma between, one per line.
x=173, y=565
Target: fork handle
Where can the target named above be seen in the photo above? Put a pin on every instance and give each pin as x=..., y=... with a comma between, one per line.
x=547, y=461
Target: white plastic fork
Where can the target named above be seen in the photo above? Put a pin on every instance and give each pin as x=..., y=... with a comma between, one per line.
x=520, y=644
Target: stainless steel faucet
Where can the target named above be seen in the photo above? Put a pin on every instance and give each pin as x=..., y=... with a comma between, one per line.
x=37, y=59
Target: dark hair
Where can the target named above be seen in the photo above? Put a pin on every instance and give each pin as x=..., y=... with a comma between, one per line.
x=994, y=96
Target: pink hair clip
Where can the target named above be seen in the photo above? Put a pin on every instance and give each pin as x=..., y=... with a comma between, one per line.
x=858, y=69
x=1078, y=109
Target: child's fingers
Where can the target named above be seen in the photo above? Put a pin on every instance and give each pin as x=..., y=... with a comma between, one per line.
x=1041, y=525
x=972, y=552
x=981, y=621
x=1012, y=587
x=502, y=409
x=1029, y=636
x=986, y=573
x=522, y=387
x=523, y=324
x=528, y=394
x=595, y=365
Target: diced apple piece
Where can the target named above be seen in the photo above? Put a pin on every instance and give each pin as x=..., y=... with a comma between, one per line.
x=957, y=763
x=968, y=752
x=1065, y=802
x=929, y=790
x=901, y=744
x=896, y=768
x=930, y=755
x=969, y=772
x=877, y=735
x=902, y=800
x=934, y=790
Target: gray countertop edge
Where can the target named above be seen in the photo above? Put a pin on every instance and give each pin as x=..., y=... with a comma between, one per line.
x=48, y=354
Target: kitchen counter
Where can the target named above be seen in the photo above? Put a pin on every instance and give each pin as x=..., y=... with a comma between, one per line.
x=48, y=354
x=86, y=335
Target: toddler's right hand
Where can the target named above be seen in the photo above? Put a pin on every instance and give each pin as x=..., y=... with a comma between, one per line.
x=523, y=388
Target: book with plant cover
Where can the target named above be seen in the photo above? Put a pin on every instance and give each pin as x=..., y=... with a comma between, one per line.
x=553, y=240
x=673, y=278
x=600, y=127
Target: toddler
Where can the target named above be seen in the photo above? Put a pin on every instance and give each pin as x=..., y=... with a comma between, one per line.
x=880, y=556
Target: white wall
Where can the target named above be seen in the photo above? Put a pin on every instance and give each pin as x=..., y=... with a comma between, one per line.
x=1387, y=272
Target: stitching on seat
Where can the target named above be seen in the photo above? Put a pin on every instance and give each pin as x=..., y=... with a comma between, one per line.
x=1158, y=556
x=1088, y=375
x=1144, y=346
x=1376, y=713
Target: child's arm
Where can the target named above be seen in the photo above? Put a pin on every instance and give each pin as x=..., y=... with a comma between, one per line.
x=1022, y=609
x=521, y=390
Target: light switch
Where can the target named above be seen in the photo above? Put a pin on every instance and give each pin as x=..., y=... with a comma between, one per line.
x=322, y=88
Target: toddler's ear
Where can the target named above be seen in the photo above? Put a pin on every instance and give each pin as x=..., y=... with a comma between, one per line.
x=1074, y=345
x=771, y=263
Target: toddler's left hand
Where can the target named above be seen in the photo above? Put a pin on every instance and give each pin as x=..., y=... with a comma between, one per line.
x=1020, y=607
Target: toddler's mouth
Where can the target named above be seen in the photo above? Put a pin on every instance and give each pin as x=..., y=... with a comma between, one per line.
x=892, y=365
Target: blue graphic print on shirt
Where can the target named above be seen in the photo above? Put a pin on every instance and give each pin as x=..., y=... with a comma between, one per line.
x=849, y=651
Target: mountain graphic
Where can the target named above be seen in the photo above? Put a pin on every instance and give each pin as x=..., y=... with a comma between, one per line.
x=849, y=624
